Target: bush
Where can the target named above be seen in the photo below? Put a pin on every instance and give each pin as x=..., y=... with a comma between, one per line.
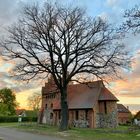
x=29, y=119
x=15, y=119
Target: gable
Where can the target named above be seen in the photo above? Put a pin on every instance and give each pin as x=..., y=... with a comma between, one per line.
x=105, y=94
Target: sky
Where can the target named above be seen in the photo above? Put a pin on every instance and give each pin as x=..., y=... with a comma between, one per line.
x=126, y=90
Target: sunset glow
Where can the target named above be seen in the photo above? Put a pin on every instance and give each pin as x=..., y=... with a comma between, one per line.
x=126, y=90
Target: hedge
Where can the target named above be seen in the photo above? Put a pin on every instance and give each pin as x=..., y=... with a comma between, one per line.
x=15, y=119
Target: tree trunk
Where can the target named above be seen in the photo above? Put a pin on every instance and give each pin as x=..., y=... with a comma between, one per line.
x=64, y=110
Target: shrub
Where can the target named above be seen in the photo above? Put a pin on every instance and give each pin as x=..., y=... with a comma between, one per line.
x=15, y=119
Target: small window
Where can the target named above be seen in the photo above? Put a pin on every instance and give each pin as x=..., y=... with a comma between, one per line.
x=86, y=114
x=46, y=106
x=105, y=107
x=51, y=105
x=59, y=114
x=77, y=115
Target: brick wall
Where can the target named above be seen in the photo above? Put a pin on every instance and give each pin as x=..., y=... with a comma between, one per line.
x=124, y=117
x=110, y=106
x=84, y=118
x=108, y=118
x=91, y=118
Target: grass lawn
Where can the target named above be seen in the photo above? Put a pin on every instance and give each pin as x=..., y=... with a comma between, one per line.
x=120, y=133
x=8, y=124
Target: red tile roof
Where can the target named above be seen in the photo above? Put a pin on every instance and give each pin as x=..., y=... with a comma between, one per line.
x=81, y=96
x=121, y=108
x=105, y=94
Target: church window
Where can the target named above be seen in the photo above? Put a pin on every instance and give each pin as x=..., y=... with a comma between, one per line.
x=105, y=107
x=77, y=115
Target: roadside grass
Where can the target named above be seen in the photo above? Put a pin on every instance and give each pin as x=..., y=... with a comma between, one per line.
x=38, y=128
x=105, y=134
x=9, y=124
x=120, y=133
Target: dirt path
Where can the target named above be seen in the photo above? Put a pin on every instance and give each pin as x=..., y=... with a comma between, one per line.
x=14, y=134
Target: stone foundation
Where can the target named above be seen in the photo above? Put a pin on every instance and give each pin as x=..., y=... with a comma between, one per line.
x=81, y=123
x=107, y=120
x=47, y=119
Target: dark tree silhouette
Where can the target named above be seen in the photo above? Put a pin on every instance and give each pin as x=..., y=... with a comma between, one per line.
x=63, y=42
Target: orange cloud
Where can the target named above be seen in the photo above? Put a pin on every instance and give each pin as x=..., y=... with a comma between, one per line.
x=1, y=61
x=128, y=90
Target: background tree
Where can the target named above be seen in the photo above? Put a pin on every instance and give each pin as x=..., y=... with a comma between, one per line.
x=7, y=102
x=65, y=43
x=34, y=101
x=137, y=116
x=4, y=109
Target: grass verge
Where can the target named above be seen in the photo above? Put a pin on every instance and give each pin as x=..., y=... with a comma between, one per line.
x=11, y=124
x=120, y=133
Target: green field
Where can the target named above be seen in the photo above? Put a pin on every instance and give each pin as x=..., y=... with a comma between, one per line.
x=120, y=133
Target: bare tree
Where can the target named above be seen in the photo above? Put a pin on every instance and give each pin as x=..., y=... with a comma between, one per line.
x=63, y=42
x=34, y=101
x=132, y=20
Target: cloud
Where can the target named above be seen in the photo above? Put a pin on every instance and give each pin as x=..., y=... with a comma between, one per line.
x=4, y=76
x=129, y=87
x=1, y=61
x=116, y=8
x=112, y=3
x=109, y=9
x=8, y=11
x=133, y=107
x=7, y=81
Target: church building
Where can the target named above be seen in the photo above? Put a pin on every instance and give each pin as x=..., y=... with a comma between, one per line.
x=90, y=105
